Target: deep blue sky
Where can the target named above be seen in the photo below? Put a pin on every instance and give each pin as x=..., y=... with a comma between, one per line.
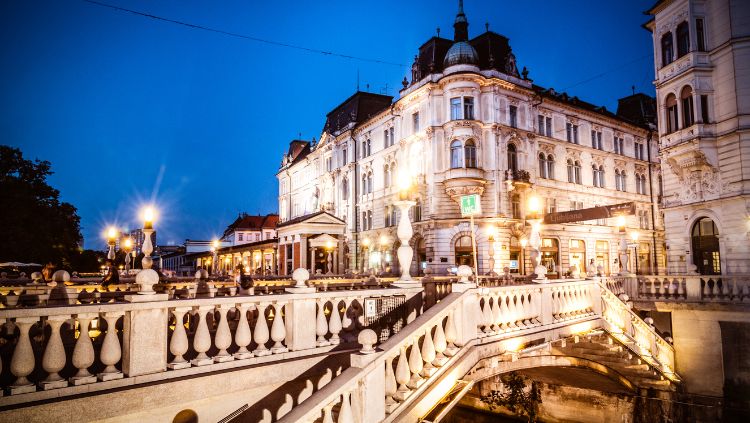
x=129, y=108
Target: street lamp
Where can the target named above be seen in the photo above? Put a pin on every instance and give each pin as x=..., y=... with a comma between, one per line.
x=623, y=246
x=127, y=246
x=634, y=237
x=147, y=277
x=533, y=216
x=111, y=236
x=329, y=259
x=404, y=230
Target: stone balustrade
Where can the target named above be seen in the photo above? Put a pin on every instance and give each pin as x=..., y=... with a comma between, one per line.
x=404, y=366
x=53, y=350
x=730, y=289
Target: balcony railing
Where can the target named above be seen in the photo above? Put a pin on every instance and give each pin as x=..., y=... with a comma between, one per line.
x=728, y=289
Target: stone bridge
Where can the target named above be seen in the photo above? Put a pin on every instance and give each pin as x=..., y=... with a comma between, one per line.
x=292, y=356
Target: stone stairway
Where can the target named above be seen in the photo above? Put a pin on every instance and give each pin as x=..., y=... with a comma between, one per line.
x=602, y=348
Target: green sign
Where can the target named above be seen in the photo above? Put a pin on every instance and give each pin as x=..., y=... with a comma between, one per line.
x=470, y=205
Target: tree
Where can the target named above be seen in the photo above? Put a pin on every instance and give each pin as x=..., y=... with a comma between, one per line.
x=37, y=226
x=515, y=397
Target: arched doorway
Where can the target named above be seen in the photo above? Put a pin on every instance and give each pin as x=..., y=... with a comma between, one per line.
x=705, y=247
x=464, y=255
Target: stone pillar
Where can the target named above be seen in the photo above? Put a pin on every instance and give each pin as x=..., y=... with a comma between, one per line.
x=314, y=251
x=300, y=332
x=368, y=401
x=144, y=348
x=303, y=251
x=467, y=314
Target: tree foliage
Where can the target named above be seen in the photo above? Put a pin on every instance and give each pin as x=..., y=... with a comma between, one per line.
x=38, y=227
x=516, y=397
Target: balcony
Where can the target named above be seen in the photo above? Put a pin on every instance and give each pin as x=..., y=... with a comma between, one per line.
x=463, y=181
x=691, y=60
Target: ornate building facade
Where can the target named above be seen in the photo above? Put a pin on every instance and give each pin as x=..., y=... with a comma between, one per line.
x=702, y=60
x=470, y=122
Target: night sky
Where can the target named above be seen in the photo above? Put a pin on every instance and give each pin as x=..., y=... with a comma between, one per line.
x=131, y=110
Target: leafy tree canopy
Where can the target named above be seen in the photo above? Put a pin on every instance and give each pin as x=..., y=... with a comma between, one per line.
x=37, y=226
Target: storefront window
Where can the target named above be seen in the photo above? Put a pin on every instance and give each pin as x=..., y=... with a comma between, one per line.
x=551, y=256
x=577, y=254
x=602, y=255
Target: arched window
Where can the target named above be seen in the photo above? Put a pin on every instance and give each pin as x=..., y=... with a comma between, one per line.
x=686, y=97
x=683, y=39
x=671, y=105
x=542, y=165
x=364, y=184
x=623, y=181
x=705, y=246
x=386, y=176
x=550, y=167
x=456, y=156
x=512, y=157
x=601, y=176
x=577, y=171
x=470, y=153
x=345, y=189
x=667, y=49
x=387, y=217
x=369, y=182
x=464, y=251
x=571, y=175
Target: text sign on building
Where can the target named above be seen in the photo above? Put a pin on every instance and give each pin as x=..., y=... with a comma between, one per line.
x=470, y=205
x=601, y=212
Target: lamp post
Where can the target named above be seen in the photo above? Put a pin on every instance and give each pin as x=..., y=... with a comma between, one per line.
x=329, y=258
x=111, y=236
x=535, y=238
x=147, y=277
x=127, y=245
x=405, y=231
x=366, y=261
x=634, y=237
x=522, y=266
x=492, y=256
x=623, y=246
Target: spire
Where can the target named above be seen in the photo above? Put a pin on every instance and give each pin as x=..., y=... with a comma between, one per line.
x=461, y=25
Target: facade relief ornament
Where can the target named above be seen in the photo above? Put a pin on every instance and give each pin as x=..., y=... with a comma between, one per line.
x=699, y=179
x=546, y=148
x=573, y=154
x=456, y=192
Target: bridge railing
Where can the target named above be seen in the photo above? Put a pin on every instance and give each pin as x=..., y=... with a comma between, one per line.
x=52, y=351
x=388, y=380
x=731, y=289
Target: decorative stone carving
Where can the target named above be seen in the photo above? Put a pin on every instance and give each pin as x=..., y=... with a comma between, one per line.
x=546, y=148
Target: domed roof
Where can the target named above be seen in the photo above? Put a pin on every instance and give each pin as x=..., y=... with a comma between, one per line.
x=461, y=53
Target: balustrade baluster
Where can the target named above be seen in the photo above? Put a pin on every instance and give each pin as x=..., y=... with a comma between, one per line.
x=451, y=335
x=83, y=352
x=440, y=344
x=223, y=336
x=334, y=323
x=328, y=413
x=428, y=355
x=261, y=334
x=345, y=412
x=23, y=362
x=402, y=376
x=178, y=345
x=242, y=336
x=515, y=310
x=415, y=365
x=390, y=386
x=495, y=309
x=486, y=318
x=504, y=312
x=278, y=331
x=54, y=358
x=724, y=288
x=111, y=350
x=527, y=309
x=346, y=322
x=202, y=337
x=321, y=325
x=735, y=292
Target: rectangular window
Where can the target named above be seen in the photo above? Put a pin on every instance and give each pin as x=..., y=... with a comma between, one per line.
x=513, y=116
x=391, y=135
x=704, y=108
x=700, y=34
x=344, y=157
x=240, y=237
x=672, y=118
x=329, y=164
x=596, y=140
x=549, y=127
x=386, y=142
x=545, y=125
x=415, y=122
x=687, y=111
x=551, y=205
x=456, y=108
x=257, y=237
x=540, y=124
x=571, y=132
x=639, y=151
x=469, y=108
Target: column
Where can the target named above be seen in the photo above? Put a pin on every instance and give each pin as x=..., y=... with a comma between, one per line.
x=312, y=260
x=303, y=251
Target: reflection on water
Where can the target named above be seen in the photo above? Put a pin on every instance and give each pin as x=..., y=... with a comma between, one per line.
x=469, y=415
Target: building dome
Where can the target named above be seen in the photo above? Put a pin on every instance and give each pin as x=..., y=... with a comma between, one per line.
x=461, y=53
